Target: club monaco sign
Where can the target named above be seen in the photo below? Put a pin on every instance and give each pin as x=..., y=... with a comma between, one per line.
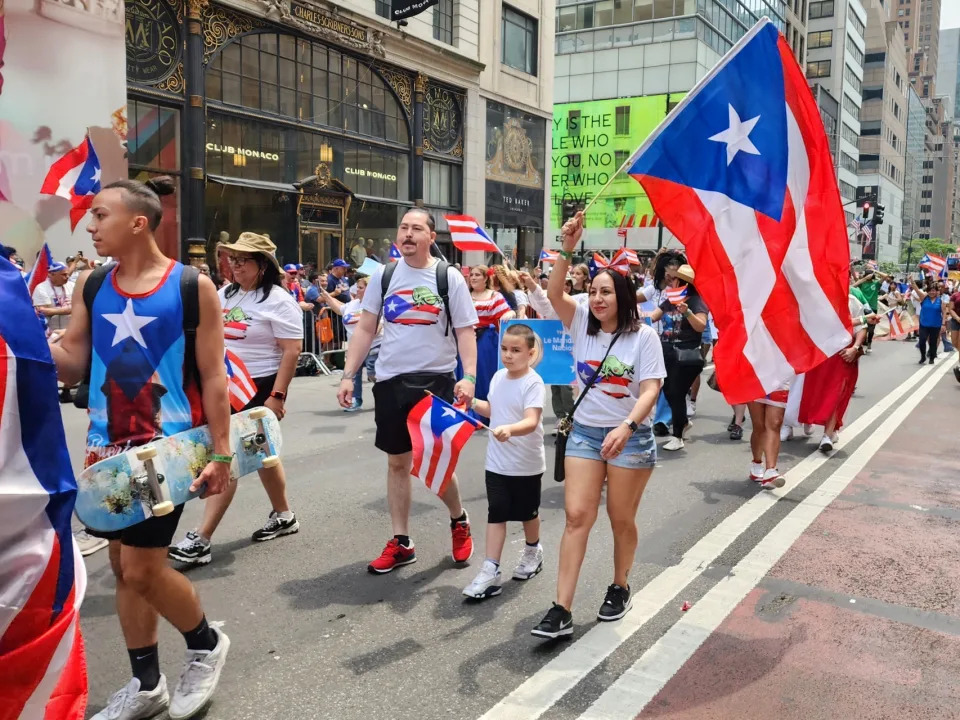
x=245, y=152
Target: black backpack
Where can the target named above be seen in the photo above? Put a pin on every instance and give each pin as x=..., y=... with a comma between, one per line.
x=189, y=297
x=443, y=287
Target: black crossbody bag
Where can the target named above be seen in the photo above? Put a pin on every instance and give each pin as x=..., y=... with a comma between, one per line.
x=566, y=424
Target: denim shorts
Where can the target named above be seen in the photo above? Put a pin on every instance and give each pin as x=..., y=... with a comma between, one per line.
x=639, y=452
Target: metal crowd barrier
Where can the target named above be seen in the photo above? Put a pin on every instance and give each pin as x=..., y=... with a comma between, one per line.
x=326, y=354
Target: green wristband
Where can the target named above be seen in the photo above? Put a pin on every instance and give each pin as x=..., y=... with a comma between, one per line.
x=215, y=457
x=566, y=254
x=471, y=378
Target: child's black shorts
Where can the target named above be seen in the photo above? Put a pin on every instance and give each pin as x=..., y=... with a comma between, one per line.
x=512, y=497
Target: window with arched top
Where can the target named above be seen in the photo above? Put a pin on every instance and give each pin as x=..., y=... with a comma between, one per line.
x=306, y=81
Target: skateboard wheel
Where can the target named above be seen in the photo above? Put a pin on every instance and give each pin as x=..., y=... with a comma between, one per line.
x=271, y=461
x=146, y=453
x=257, y=413
x=163, y=508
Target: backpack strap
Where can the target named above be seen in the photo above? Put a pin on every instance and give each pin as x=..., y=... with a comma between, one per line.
x=190, y=301
x=90, y=289
x=388, y=272
x=443, y=290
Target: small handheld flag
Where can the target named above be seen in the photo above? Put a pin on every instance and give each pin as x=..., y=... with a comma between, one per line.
x=933, y=263
x=394, y=252
x=76, y=177
x=896, y=326
x=240, y=385
x=41, y=269
x=676, y=295
x=438, y=432
x=549, y=255
x=466, y=234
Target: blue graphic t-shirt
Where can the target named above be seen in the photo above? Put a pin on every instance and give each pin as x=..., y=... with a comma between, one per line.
x=137, y=385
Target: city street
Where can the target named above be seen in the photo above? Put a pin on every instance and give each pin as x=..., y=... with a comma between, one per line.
x=315, y=636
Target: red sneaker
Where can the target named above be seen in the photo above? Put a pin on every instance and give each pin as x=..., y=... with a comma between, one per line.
x=462, y=541
x=393, y=555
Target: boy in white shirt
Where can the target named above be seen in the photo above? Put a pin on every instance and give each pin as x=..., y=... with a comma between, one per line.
x=515, y=460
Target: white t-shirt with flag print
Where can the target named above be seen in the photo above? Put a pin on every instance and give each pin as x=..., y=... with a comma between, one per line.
x=636, y=356
x=251, y=328
x=415, y=322
x=351, y=317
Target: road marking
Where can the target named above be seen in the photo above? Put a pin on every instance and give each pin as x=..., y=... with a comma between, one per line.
x=631, y=692
x=545, y=687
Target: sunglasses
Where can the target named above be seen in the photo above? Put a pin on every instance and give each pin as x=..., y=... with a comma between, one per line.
x=238, y=261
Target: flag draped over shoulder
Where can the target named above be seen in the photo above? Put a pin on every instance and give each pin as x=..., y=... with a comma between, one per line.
x=741, y=173
x=42, y=576
x=438, y=432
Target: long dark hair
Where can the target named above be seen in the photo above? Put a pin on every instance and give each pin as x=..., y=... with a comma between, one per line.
x=662, y=263
x=269, y=277
x=628, y=317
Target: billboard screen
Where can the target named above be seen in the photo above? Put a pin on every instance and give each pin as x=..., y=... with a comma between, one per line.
x=591, y=140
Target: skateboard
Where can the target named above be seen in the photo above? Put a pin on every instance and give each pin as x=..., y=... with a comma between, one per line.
x=153, y=479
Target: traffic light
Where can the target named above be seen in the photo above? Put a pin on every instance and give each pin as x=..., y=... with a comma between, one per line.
x=878, y=215
x=866, y=210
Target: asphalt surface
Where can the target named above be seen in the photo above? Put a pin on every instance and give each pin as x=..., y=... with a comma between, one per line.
x=315, y=636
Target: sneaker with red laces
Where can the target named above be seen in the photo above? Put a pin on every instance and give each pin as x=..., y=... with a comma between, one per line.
x=462, y=540
x=393, y=555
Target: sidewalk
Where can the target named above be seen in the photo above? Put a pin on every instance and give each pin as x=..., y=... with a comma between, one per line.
x=861, y=617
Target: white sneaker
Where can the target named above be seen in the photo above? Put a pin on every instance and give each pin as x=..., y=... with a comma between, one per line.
x=835, y=437
x=673, y=443
x=199, y=678
x=807, y=429
x=786, y=433
x=826, y=444
x=487, y=583
x=129, y=703
x=756, y=472
x=530, y=562
x=691, y=407
x=772, y=479
x=87, y=543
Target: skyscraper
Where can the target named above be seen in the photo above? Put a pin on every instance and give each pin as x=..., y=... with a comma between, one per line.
x=920, y=25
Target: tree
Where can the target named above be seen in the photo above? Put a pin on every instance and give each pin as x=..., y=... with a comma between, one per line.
x=921, y=246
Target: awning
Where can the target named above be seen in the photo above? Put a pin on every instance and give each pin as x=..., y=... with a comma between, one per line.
x=259, y=184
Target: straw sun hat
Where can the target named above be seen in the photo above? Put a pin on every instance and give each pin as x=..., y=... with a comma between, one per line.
x=253, y=243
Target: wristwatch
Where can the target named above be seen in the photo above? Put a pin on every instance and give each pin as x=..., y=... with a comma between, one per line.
x=281, y=396
x=632, y=425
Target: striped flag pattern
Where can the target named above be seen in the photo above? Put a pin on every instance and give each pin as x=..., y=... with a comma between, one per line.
x=240, y=385
x=466, y=234
x=41, y=270
x=438, y=432
x=549, y=255
x=676, y=295
x=896, y=326
x=394, y=252
x=42, y=578
x=934, y=263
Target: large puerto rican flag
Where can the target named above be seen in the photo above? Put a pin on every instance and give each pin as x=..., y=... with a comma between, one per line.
x=438, y=432
x=466, y=234
x=42, y=577
x=76, y=177
x=741, y=173
x=934, y=264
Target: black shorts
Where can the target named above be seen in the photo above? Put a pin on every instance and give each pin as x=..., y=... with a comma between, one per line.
x=395, y=398
x=155, y=532
x=512, y=497
x=264, y=388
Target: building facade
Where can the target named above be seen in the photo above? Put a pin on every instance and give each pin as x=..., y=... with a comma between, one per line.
x=920, y=26
x=835, y=57
x=621, y=65
x=940, y=169
x=795, y=16
x=883, y=133
x=948, y=70
x=318, y=123
x=916, y=153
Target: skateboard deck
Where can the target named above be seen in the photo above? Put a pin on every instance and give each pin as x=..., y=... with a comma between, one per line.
x=153, y=479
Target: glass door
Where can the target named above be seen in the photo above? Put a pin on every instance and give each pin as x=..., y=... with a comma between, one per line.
x=310, y=247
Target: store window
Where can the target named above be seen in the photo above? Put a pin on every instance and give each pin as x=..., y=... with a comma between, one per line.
x=383, y=8
x=153, y=149
x=442, y=184
x=309, y=82
x=443, y=22
x=519, y=38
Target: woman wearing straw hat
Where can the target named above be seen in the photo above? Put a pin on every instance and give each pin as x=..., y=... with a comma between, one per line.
x=263, y=328
x=684, y=320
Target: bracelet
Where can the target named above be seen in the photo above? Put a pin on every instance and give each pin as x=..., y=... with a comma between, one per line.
x=471, y=378
x=216, y=457
x=566, y=254
x=473, y=402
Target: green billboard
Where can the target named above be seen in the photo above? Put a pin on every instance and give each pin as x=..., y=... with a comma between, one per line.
x=591, y=140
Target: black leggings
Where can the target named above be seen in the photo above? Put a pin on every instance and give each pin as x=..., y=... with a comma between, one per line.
x=675, y=388
x=929, y=336
x=871, y=328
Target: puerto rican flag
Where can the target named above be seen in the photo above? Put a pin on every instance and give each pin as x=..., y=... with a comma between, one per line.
x=240, y=385
x=896, y=325
x=613, y=385
x=41, y=270
x=741, y=172
x=76, y=177
x=401, y=308
x=467, y=234
x=394, y=252
x=549, y=255
x=438, y=432
x=42, y=578
x=676, y=295
x=935, y=264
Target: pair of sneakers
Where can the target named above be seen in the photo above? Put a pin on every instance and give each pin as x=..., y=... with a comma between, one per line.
x=395, y=555
x=558, y=622
x=768, y=478
x=195, y=549
x=193, y=691
x=489, y=581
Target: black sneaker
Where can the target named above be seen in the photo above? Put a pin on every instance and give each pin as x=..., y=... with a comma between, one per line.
x=275, y=527
x=558, y=622
x=616, y=604
x=192, y=550
x=660, y=429
x=733, y=424
x=736, y=433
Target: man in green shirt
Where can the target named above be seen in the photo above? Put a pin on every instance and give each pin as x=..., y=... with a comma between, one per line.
x=869, y=287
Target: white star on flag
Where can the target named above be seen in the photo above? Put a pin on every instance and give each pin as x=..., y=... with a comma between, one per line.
x=449, y=412
x=392, y=306
x=737, y=136
x=96, y=175
x=128, y=324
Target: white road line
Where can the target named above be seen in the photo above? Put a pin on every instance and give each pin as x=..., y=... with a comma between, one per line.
x=627, y=697
x=545, y=687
